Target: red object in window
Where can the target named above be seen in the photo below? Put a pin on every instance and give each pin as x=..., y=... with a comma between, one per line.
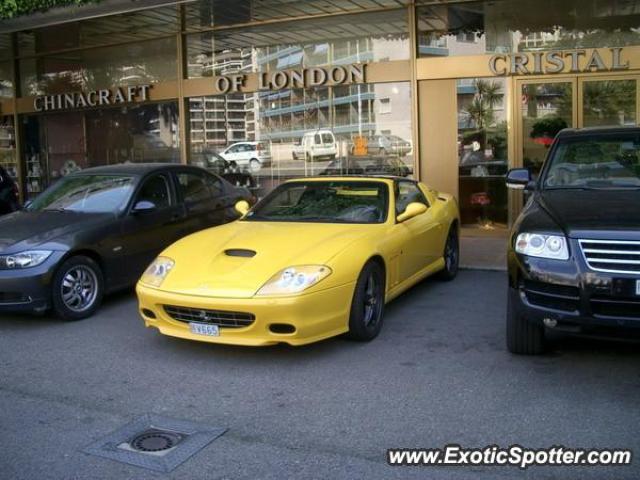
x=546, y=141
x=481, y=199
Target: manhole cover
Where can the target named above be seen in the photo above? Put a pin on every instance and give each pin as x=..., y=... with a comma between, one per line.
x=155, y=441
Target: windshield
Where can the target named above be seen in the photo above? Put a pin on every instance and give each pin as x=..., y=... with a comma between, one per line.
x=86, y=193
x=324, y=202
x=607, y=161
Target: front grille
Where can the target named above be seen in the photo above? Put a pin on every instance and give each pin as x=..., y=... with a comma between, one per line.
x=549, y=295
x=13, y=297
x=602, y=306
x=612, y=256
x=223, y=319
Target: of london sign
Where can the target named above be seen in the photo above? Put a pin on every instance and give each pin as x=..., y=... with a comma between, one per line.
x=557, y=61
x=300, y=78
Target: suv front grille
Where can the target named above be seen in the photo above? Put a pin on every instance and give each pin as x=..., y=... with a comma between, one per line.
x=612, y=256
x=221, y=318
x=549, y=295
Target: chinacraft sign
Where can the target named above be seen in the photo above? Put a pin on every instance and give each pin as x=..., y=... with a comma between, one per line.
x=301, y=78
x=558, y=61
x=94, y=98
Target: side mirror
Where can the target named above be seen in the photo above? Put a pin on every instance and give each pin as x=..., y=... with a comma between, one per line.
x=242, y=207
x=413, y=209
x=518, y=178
x=144, y=206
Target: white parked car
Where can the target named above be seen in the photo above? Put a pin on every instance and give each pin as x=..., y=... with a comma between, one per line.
x=250, y=155
x=316, y=145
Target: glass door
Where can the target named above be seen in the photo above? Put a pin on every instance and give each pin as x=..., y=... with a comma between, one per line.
x=545, y=108
x=608, y=101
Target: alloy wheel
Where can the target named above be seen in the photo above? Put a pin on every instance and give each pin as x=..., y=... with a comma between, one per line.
x=79, y=288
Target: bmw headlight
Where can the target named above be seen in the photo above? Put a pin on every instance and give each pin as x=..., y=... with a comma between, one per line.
x=294, y=279
x=27, y=259
x=543, y=246
x=155, y=273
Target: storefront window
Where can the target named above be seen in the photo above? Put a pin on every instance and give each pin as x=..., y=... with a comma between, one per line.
x=475, y=28
x=6, y=80
x=136, y=63
x=112, y=29
x=275, y=135
x=61, y=143
x=8, y=146
x=482, y=150
x=368, y=37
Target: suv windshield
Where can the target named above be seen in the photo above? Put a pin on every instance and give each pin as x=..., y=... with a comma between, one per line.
x=86, y=193
x=601, y=161
x=324, y=202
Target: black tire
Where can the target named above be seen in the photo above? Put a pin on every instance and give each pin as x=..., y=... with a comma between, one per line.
x=523, y=337
x=367, y=306
x=77, y=288
x=451, y=255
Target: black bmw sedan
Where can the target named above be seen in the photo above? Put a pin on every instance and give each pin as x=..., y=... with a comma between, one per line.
x=574, y=253
x=95, y=231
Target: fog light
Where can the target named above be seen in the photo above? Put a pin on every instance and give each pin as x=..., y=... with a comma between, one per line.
x=550, y=322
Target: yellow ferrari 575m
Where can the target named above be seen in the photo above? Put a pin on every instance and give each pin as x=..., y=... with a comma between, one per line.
x=315, y=258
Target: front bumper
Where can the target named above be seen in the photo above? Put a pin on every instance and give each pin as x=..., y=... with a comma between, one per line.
x=29, y=289
x=313, y=316
x=577, y=298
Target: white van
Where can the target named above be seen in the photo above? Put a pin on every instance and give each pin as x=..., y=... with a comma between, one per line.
x=316, y=145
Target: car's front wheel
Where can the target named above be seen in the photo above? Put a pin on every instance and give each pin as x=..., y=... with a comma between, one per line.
x=254, y=165
x=367, y=306
x=523, y=337
x=77, y=288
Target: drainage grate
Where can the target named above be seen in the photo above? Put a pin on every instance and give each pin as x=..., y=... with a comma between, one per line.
x=155, y=442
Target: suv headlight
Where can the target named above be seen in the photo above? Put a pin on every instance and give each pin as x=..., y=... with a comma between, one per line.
x=26, y=259
x=294, y=279
x=543, y=246
x=155, y=273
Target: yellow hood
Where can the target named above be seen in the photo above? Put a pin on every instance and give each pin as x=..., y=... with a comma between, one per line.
x=203, y=265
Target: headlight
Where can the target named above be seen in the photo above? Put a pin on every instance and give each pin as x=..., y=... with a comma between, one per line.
x=543, y=246
x=294, y=279
x=155, y=273
x=30, y=258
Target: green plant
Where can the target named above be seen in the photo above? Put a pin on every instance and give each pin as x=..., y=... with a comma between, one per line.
x=15, y=8
x=547, y=126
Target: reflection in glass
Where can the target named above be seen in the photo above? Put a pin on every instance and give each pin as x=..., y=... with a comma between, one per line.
x=62, y=143
x=350, y=129
x=547, y=108
x=369, y=37
x=482, y=151
x=131, y=64
x=6, y=80
x=609, y=102
x=477, y=28
x=8, y=146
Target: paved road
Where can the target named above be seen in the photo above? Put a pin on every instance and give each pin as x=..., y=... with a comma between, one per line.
x=438, y=374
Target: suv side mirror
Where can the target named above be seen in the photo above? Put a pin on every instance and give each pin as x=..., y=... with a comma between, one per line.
x=519, y=178
x=144, y=206
x=413, y=210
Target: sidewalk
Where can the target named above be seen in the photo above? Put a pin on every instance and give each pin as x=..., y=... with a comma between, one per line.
x=483, y=252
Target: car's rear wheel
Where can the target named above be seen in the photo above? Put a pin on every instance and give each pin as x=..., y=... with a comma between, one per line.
x=77, y=288
x=451, y=255
x=254, y=164
x=367, y=306
x=523, y=337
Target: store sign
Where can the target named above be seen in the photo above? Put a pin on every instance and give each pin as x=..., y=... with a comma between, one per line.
x=301, y=78
x=558, y=61
x=94, y=98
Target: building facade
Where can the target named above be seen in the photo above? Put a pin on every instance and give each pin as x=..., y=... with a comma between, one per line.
x=452, y=93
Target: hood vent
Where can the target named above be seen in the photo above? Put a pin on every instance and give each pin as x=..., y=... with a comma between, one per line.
x=240, y=252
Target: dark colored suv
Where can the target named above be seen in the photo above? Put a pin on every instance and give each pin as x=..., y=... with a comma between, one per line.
x=9, y=201
x=574, y=252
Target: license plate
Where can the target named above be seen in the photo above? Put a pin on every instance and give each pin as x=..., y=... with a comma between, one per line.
x=637, y=287
x=204, y=329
